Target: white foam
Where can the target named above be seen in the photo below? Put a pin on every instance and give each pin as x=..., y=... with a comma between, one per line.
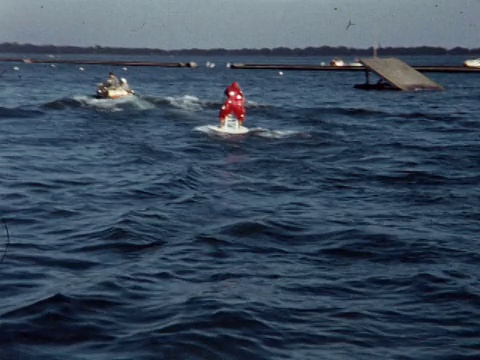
x=257, y=131
x=187, y=102
x=142, y=103
x=215, y=130
x=103, y=104
x=276, y=134
x=203, y=128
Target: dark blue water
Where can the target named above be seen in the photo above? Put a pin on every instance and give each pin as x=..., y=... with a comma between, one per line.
x=345, y=225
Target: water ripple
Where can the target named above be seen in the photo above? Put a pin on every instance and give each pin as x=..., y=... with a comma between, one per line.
x=344, y=224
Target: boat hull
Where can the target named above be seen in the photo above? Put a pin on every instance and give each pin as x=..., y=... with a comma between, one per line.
x=475, y=63
x=104, y=93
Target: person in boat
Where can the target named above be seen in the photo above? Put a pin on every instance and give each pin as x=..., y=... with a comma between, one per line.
x=112, y=81
x=124, y=85
x=235, y=103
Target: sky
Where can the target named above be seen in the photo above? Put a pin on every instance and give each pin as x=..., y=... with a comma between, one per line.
x=238, y=24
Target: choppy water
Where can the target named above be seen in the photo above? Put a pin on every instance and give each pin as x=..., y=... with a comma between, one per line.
x=345, y=225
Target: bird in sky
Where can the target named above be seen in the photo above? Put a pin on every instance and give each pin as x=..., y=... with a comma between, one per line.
x=349, y=24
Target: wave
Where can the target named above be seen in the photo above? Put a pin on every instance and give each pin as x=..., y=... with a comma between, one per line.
x=58, y=313
x=358, y=112
x=256, y=131
x=188, y=104
x=343, y=223
x=185, y=102
x=19, y=112
x=111, y=105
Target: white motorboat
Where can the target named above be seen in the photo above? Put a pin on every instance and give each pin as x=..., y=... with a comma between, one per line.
x=337, y=62
x=472, y=63
x=108, y=92
x=116, y=93
x=355, y=63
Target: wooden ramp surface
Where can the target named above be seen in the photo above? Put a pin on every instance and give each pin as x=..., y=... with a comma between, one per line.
x=400, y=74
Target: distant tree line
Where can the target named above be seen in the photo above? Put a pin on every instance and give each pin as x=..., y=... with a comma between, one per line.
x=279, y=51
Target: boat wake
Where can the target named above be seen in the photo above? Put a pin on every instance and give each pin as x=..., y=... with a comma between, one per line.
x=185, y=102
x=257, y=131
x=279, y=134
x=111, y=105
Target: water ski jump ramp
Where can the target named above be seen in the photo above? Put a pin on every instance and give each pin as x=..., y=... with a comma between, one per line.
x=396, y=75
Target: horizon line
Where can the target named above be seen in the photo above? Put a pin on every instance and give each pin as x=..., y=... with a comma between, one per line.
x=343, y=47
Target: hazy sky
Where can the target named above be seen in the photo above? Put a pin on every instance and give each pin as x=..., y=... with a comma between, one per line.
x=235, y=24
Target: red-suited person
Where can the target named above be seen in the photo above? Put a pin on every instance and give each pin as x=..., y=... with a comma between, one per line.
x=235, y=103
